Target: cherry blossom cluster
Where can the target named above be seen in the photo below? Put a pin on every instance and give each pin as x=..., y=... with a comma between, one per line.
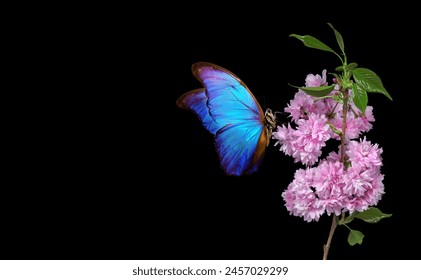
x=340, y=182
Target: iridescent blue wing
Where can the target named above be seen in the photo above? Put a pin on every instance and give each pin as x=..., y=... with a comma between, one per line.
x=228, y=110
x=241, y=147
x=229, y=99
x=196, y=100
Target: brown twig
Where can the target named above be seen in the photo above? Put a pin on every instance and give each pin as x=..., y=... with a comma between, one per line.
x=326, y=247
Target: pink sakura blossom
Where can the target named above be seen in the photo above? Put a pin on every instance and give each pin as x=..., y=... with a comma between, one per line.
x=302, y=105
x=367, y=119
x=316, y=80
x=356, y=122
x=352, y=130
x=285, y=138
x=304, y=144
x=334, y=156
x=364, y=154
x=300, y=199
x=331, y=188
x=311, y=135
x=370, y=187
x=329, y=181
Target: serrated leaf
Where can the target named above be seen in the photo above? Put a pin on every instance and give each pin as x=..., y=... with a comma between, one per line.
x=311, y=42
x=317, y=91
x=372, y=215
x=369, y=81
x=360, y=97
x=339, y=38
x=355, y=237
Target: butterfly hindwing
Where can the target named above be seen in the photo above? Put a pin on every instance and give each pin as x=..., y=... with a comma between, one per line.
x=241, y=147
x=196, y=100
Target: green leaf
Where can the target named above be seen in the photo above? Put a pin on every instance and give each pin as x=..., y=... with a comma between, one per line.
x=311, y=42
x=349, y=67
x=349, y=219
x=317, y=91
x=369, y=81
x=360, y=97
x=339, y=39
x=336, y=76
x=348, y=165
x=338, y=98
x=372, y=215
x=355, y=237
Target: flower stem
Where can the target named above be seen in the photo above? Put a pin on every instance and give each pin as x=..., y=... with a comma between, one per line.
x=326, y=247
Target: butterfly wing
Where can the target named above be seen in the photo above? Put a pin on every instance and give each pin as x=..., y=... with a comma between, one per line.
x=228, y=110
x=229, y=99
x=196, y=101
x=241, y=147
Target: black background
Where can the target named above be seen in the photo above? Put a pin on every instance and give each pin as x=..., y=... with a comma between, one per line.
x=106, y=166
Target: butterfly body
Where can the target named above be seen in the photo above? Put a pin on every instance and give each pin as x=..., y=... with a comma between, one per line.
x=228, y=110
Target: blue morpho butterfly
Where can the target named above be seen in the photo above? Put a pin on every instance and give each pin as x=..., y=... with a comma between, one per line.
x=228, y=110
